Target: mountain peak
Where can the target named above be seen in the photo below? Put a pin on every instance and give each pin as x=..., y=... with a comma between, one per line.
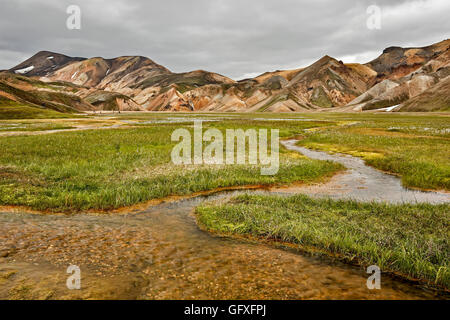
x=44, y=62
x=326, y=59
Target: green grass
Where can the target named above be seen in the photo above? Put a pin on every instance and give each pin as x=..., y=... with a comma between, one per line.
x=10, y=109
x=106, y=169
x=410, y=240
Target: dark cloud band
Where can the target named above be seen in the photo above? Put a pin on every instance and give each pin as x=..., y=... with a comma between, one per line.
x=232, y=37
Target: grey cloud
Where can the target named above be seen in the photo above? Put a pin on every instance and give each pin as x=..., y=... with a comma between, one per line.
x=231, y=37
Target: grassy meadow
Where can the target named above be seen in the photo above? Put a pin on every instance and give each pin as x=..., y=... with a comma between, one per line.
x=128, y=162
x=107, y=169
x=409, y=240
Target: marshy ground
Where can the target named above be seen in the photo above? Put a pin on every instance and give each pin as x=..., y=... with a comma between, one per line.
x=65, y=165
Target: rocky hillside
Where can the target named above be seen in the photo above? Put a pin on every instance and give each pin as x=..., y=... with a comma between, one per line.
x=57, y=96
x=436, y=98
x=397, y=62
x=326, y=83
x=131, y=82
x=416, y=70
x=138, y=83
x=109, y=74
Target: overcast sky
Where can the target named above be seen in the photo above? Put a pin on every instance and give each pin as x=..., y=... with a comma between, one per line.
x=236, y=38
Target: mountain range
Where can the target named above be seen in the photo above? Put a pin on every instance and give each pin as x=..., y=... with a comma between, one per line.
x=400, y=79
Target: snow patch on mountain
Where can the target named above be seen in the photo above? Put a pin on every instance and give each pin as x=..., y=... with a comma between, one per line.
x=25, y=70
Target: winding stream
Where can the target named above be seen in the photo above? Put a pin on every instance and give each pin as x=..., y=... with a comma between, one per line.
x=361, y=182
x=160, y=253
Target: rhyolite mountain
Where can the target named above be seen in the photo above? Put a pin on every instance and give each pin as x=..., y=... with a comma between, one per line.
x=403, y=74
x=405, y=79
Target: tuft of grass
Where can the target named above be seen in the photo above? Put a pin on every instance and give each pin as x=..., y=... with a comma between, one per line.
x=410, y=240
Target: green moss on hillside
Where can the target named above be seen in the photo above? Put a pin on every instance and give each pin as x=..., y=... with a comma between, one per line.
x=320, y=98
